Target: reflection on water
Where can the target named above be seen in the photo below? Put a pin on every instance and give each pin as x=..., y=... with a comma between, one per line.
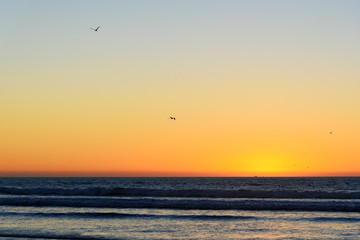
x=166, y=224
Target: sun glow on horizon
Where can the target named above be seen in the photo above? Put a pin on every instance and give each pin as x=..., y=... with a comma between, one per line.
x=268, y=164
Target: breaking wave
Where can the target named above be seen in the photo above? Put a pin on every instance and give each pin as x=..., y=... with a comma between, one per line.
x=180, y=193
x=185, y=203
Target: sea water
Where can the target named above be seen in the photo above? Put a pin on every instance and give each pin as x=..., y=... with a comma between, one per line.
x=180, y=208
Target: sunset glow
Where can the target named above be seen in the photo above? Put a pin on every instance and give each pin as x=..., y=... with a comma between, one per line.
x=256, y=88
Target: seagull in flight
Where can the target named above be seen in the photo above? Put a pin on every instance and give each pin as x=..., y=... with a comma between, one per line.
x=95, y=29
x=172, y=118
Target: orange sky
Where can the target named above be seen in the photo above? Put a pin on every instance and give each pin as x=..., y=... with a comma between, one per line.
x=256, y=89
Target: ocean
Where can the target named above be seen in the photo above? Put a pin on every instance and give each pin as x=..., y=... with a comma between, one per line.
x=180, y=208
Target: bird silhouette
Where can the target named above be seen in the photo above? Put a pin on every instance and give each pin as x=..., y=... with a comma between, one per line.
x=172, y=118
x=330, y=132
x=95, y=29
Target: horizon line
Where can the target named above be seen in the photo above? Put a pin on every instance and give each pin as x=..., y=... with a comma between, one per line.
x=149, y=174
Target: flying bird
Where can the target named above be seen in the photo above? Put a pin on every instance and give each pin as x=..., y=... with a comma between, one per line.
x=95, y=29
x=172, y=118
x=330, y=132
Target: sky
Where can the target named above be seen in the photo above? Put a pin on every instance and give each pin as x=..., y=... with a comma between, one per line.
x=258, y=88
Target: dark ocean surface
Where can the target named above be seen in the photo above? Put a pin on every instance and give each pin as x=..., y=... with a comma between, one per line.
x=180, y=208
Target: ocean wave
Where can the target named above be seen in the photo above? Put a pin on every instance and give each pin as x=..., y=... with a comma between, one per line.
x=125, y=215
x=12, y=235
x=185, y=204
x=334, y=219
x=182, y=193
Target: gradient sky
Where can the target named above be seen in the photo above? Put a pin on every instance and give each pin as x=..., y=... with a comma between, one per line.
x=256, y=87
